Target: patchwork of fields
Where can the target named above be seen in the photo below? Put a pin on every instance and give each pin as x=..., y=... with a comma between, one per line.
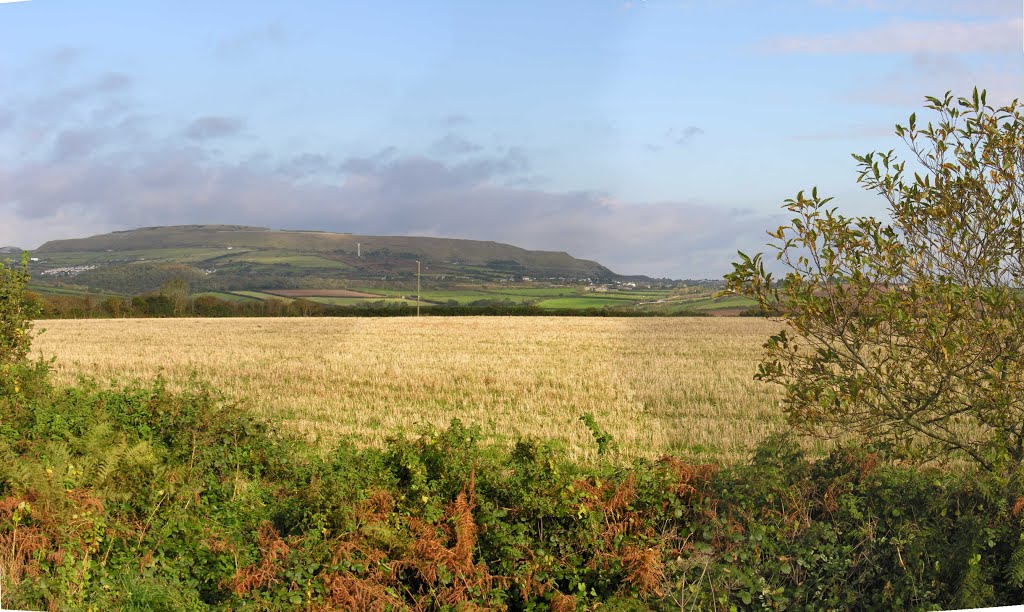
x=657, y=385
x=247, y=264
x=663, y=301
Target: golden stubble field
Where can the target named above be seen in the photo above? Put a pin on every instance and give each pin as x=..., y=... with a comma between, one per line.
x=682, y=385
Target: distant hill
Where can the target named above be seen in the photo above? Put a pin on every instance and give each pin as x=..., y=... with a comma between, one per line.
x=217, y=257
x=9, y=250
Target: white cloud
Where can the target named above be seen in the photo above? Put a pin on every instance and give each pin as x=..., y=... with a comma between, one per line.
x=74, y=197
x=94, y=164
x=271, y=35
x=212, y=127
x=912, y=37
x=907, y=84
x=932, y=7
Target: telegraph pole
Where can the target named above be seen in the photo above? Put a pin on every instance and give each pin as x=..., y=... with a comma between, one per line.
x=417, y=287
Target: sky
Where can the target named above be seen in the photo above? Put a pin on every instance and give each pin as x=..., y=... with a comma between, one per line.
x=657, y=137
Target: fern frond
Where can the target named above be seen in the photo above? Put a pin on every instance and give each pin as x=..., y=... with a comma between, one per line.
x=1015, y=572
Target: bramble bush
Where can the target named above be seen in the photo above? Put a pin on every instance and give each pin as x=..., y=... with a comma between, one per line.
x=143, y=498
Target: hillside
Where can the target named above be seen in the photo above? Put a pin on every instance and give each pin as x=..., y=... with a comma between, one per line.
x=233, y=257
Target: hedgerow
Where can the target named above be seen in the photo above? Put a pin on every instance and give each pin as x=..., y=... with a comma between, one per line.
x=142, y=497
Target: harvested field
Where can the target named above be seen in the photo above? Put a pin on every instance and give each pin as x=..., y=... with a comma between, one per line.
x=682, y=385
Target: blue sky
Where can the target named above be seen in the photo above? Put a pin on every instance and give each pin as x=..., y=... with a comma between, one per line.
x=657, y=137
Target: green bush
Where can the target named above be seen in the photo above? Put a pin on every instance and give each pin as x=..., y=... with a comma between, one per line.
x=16, y=312
x=143, y=497
x=909, y=329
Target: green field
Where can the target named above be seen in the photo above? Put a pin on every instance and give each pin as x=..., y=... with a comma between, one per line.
x=550, y=298
x=259, y=295
x=608, y=295
x=290, y=259
x=393, y=292
x=210, y=256
x=184, y=255
x=461, y=297
x=582, y=302
x=569, y=297
x=468, y=296
x=485, y=294
x=347, y=301
x=227, y=296
x=46, y=290
x=537, y=292
x=711, y=303
x=640, y=295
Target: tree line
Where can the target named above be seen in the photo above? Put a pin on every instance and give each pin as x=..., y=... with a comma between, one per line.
x=173, y=300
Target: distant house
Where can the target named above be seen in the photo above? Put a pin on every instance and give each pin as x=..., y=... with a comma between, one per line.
x=33, y=259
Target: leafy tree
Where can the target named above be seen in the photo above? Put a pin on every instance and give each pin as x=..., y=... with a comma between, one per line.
x=307, y=308
x=911, y=331
x=114, y=306
x=160, y=306
x=176, y=291
x=16, y=312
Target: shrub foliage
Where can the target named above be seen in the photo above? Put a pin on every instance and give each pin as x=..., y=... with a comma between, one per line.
x=910, y=331
x=16, y=313
x=139, y=498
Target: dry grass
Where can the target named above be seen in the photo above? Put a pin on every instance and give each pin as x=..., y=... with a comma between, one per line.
x=657, y=385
